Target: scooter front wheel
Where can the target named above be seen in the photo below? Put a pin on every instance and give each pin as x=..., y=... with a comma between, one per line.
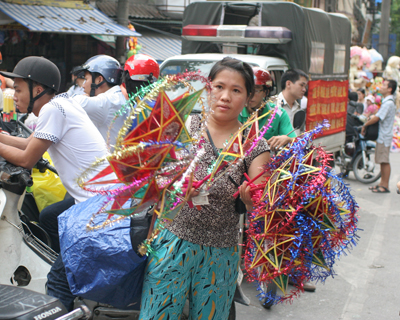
x=369, y=171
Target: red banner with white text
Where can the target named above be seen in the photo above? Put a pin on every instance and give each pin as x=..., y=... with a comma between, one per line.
x=327, y=100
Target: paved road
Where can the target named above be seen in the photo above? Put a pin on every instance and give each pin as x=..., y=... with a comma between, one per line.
x=367, y=281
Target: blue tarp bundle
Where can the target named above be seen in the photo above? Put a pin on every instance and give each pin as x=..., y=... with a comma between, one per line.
x=100, y=265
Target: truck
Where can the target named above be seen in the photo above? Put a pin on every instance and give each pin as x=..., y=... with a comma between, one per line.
x=276, y=36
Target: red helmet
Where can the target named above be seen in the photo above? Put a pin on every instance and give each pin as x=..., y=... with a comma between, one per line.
x=262, y=77
x=142, y=67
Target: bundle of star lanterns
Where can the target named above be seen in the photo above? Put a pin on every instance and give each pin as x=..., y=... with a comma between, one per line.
x=304, y=219
x=153, y=163
x=146, y=159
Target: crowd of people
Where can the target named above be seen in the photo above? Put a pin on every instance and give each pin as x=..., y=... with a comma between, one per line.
x=197, y=253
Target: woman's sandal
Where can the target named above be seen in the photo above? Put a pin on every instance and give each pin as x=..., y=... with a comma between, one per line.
x=379, y=190
x=374, y=187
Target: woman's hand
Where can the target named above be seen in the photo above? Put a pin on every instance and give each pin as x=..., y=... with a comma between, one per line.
x=245, y=196
x=193, y=193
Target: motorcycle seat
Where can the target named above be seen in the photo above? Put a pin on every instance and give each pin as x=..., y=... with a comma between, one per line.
x=18, y=303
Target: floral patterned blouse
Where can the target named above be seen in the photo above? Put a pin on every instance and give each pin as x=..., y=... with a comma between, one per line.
x=216, y=224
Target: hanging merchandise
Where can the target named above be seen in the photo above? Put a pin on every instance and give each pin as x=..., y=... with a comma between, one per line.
x=305, y=219
x=132, y=45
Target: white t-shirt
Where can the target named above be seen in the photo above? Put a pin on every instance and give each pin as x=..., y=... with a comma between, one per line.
x=75, y=90
x=76, y=141
x=290, y=110
x=102, y=108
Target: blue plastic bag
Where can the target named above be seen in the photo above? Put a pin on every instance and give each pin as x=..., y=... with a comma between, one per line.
x=100, y=265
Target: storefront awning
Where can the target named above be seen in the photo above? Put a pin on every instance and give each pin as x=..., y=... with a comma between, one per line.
x=158, y=46
x=64, y=20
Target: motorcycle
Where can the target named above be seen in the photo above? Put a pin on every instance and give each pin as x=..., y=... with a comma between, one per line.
x=22, y=304
x=26, y=256
x=358, y=155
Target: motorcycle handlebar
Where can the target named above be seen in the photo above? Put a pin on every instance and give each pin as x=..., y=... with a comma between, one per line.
x=51, y=168
x=44, y=165
x=26, y=179
x=82, y=312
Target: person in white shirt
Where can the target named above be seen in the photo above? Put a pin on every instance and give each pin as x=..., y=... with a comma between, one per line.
x=294, y=85
x=386, y=117
x=63, y=129
x=77, y=77
x=104, y=97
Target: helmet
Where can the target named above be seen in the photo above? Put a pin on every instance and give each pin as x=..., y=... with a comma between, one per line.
x=78, y=71
x=107, y=66
x=38, y=69
x=262, y=77
x=142, y=67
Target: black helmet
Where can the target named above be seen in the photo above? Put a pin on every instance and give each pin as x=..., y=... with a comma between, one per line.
x=36, y=69
x=78, y=71
x=107, y=66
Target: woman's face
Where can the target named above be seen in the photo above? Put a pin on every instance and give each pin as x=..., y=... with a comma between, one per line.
x=228, y=95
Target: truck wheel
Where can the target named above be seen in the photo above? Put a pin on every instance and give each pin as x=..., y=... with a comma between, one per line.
x=368, y=173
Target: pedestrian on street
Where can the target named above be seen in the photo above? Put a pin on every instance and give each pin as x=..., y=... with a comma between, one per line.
x=361, y=98
x=385, y=116
x=281, y=131
x=197, y=254
x=294, y=85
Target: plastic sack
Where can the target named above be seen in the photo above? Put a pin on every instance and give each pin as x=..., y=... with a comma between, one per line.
x=47, y=187
x=100, y=265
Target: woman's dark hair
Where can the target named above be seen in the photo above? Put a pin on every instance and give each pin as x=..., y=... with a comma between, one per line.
x=361, y=90
x=236, y=65
x=353, y=96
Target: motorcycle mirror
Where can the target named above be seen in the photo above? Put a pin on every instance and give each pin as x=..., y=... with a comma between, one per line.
x=299, y=119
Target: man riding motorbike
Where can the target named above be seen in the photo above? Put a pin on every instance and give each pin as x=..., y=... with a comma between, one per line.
x=63, y=129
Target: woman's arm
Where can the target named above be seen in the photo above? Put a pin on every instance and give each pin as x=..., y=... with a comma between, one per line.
x=254, y=170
